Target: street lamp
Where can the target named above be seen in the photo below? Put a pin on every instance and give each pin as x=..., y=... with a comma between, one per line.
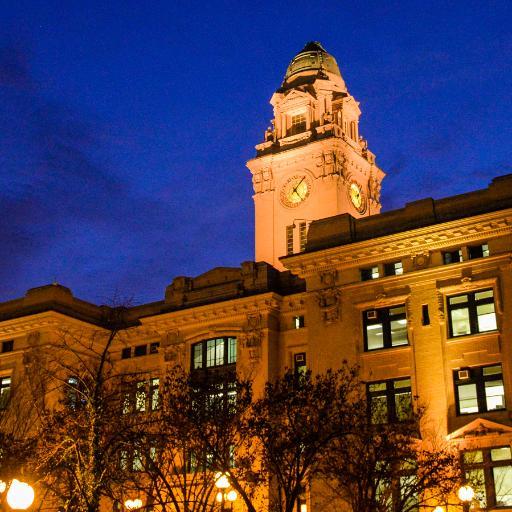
x=20, y=495
x=133, y=504
x=222, y=483
x=466, y=495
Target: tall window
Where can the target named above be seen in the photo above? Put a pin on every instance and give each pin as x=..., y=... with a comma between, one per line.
x=385, y=328
x=5, y=391
x=213, y=353
x=471, y=313
x=299, y=363
x=143, y=396
x=298, y=124
x=303, y=231
x=289, y=240
x=390, y=400
x=479, y=389
x=490, y=474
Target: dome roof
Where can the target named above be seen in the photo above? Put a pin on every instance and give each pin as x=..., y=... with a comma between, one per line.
x=312, y=58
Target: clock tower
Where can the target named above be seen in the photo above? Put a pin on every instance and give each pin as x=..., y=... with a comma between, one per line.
x=312, y=163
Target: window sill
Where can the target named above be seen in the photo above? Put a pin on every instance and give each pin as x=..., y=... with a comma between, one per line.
x=465, y=337
x=394, y=350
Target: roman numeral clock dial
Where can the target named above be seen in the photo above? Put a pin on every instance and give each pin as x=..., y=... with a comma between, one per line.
x=295, y=190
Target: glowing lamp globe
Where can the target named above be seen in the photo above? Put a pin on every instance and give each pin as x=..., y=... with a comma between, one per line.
x=219, y=497
x=466, y=493
x=439, y=509
x=20, y=495
x=3, y=486
x=232, y=495
x=221, y=481
x=133, y=504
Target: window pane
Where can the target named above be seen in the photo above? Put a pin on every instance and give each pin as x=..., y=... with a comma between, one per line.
x=399, y=332
x=155, y=383
x=460, y=299
x=140, y=397
x=378, y=386
x=485, y=250
x=460, y=322
x=399, y=269
x=403, y=405
x=502, y=453
x=210, y=353
x=468, y=402
x=374, y=336
x=379, y=409
x=503, y=485
x=476, y=479
x=487, y=294
x=198, y=356
x=492, y=370
x=486, y=317
x=402, y=383
x=494, y=395
x=219, y=352
x=473, y=457
x=232, y=351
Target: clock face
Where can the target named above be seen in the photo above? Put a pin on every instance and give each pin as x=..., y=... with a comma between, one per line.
x=295, y=190
x=357, y=197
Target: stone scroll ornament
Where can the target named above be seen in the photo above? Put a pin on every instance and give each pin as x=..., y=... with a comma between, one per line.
x=251, y=337
x=329, y=301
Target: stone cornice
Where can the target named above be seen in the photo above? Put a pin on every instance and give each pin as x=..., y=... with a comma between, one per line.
x=232, y=310
x=48, y=319
x=403, y=244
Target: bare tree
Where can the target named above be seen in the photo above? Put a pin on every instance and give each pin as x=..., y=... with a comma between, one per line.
x=382, y=467
x=78, y=395
x=296, y=423
x=197, y=433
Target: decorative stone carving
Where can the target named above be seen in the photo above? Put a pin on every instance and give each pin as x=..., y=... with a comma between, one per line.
x=466, y=282
x=374, y=187
x=171, y=338
x=421, y=260
x=329, y=278
x=252, y=336
x=329, y=303
x=440, y=307
x=33, y=338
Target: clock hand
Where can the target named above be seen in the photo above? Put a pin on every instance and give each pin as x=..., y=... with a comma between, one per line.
x=297, y=186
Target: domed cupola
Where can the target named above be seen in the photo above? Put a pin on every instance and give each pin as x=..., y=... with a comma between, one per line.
x=311, y=63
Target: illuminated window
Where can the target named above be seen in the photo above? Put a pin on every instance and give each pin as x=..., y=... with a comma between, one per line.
x=478, y=251
x=368, y=274
x=385, y=328
x=298, y=124
x=471, y=313
x=74, y=393
x=394, y=269
x=289, y=240
x=299, y=363
x=479, y=389
x=214, y=353
x=303, y=236
x=298, y=322
x=143, y=397
x=489, y=472
x=390, y=401
x=452, y=256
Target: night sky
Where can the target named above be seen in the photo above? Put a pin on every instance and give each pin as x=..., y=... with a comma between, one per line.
x=125, y=126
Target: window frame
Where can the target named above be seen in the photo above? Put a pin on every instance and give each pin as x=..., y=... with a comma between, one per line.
x=487, y=465
x=390, y=269
x=204, y=352
x=369, y=274
x=390, y=392
x=479, y=379
x=472, y=306
x=384, y=318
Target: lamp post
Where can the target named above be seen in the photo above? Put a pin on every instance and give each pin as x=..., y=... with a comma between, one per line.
x=466, y=495
x=20, y=495
x=223, y=495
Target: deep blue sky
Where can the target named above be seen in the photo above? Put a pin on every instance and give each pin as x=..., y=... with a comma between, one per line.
x=125, y=126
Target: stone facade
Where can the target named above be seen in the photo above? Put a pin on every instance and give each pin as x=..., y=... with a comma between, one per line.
x=319, y=307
